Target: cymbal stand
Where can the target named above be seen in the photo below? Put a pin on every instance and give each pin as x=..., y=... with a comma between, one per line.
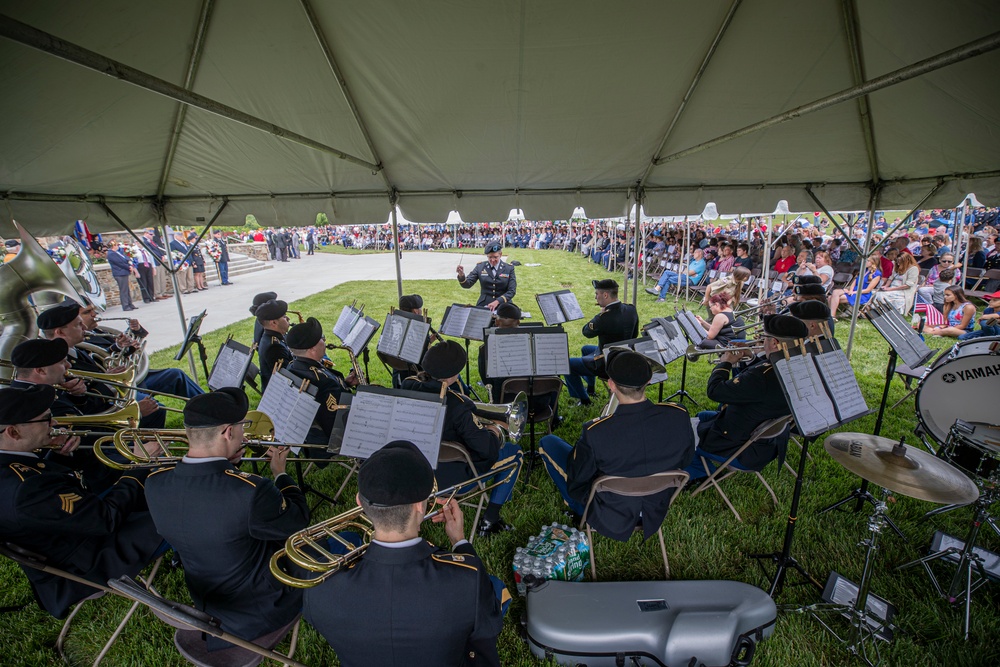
x=861, y=495
x=962, y=585
x=867, y=627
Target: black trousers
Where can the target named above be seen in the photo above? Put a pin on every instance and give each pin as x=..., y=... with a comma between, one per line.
x=146, y=283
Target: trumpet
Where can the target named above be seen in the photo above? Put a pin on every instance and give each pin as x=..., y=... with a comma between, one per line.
x=693, y=354
x=355, y=366
x=306, y=548
x=510, y=417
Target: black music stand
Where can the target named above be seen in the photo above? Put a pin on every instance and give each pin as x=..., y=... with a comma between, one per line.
x=692, y=330
x=192, y=338
x=902, y=342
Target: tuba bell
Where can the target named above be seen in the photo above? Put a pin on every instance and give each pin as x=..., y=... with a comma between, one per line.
x=30, y=272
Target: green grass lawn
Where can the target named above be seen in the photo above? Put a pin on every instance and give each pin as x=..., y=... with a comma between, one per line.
x=704, y=541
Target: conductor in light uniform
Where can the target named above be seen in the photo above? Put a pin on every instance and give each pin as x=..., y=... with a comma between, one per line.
x=497, y=284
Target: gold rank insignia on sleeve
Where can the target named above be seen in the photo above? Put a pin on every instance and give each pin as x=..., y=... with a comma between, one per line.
x=331, y=403
x=736, y=380
x=68, y=500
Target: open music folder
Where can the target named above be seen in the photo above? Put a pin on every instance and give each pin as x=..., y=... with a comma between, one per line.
x=355, y=329
x=527, y=353
x=465, y=321
x=648, y=347
x=404, y=336
x=559, y=307
x=819, y=385
x=230, y=365
x=907, y=343
x=691, y=326
x=669, y=338
x=291, y=404
x=379, y=415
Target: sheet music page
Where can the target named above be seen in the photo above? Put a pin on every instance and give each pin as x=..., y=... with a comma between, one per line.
x=842, y=386
x=376, y=419
x=650, y=349
x=691, y=327
x=291, y=410
x=509, y=355
x=477, y=320
x=360, y=334
x=420, y=422
x=551, y=353
x=811, y=407
x=454, y=321
x=550, y=308
x=670, y=341
x=570, y=306
x=230, y=367
x=344, y=323
x=412, y=348
x=392, y=335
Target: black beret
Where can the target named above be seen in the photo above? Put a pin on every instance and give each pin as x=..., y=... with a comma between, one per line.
x=606, y=284
x=509, y=311
x=263, y=297
x=629, y=369
x=807, y=280
x=410, y=302
x=784, y=326
x=19, y=405
x=58, y=316
x=10, y=243
x=444, y=360
x=809, y=290
x=397, y=474
x=39, y=353
x=271, y=310
x=216, y=408
x=492, y=246
x=303, y=336
x=810, y=310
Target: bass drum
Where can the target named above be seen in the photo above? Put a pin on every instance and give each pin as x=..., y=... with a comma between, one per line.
x=984, y=345
x=963, y=388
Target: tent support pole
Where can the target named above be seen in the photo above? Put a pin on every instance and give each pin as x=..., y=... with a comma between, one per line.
x=397, y=251
x=765, y=284
x=872, y=204
x=848, y=236
x=892, y=230
x=959, y=54
x=962, y=236
x=215, y=216
x=177, y=290
x=636, y=247
x=60, y=48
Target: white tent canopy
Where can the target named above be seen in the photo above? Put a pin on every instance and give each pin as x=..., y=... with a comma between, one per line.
x=485, y=107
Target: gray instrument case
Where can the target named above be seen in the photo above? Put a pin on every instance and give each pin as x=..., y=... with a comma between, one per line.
x=667, y=623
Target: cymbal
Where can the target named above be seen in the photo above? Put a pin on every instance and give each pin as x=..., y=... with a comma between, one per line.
x=905, y=470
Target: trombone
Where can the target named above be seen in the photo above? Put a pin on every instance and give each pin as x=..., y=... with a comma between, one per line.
x=306, y=548
x=693, y=354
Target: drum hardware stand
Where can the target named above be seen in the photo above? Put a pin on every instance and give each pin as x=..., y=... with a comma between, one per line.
x=968, y=558
x=867, y=625
x=784, y=559
x=861, y=495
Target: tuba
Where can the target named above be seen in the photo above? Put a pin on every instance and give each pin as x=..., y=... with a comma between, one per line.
x=31, y=272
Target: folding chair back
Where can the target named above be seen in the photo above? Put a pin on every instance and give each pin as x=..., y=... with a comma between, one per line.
x=633, y=487
x=542, y=390
x=455, y=452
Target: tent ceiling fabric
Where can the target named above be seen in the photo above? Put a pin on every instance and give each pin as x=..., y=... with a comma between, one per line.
x=485, y=107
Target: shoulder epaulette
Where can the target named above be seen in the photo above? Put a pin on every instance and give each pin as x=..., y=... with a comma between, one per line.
x=454, y=559
x=671, y=404
x=599, y=420
x=159, y=470
x=20, y=469
x=243, y=477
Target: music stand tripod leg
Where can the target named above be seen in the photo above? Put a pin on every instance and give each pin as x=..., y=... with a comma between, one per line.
x=682, y=392
x=532, y=455
x=783, y=559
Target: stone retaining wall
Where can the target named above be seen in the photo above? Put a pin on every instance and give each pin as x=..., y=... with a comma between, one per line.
x=255, y=250
x=110, y=287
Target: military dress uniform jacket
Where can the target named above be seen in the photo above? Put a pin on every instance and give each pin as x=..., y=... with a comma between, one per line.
x=637, y=439
x=226, y=524
x=749, y=399
x=416, y=606
x=271, y=350
x=459, y=426
x=619, y=321
x=47, y=510
x=498, y=284
x=330, y=387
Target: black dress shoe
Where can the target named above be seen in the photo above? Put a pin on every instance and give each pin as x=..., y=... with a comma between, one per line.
x=592, y=392
x=487, y=527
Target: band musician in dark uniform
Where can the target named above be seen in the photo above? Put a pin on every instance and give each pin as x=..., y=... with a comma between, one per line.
x=263, y=297
x=748, y=400
x=497, y=283
x=308, y=346
x=442, y=365
x=639, y=438
x=508, y=316
x=225, y=524
x=411, y=603
x=617, y=321
x=48, y=510
x=272, y=349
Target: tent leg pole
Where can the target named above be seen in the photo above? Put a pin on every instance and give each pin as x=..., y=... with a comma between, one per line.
x=177, y=292
x=876, y=188
x=396, y=249
x=635, y=248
